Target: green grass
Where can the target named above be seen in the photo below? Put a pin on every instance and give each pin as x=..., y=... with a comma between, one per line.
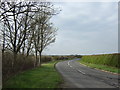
x=41, y=77
x=102, y=67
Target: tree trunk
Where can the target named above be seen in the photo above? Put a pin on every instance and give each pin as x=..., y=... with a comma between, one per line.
x=39, y=63
x=35, y=59
x=3, y=47
x=28, y=52
x=23, y=48
x=13, y=61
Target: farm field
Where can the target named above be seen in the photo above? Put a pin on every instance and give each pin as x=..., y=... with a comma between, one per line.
x=107, y=62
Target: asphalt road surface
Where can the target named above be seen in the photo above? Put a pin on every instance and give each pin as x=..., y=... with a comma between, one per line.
x=76, y=75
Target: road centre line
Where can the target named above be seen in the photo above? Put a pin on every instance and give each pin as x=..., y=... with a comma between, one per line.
x=68, y=62
x=80, y=71
x=76, y=69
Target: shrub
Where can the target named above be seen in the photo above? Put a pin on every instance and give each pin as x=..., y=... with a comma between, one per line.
x=22, y=63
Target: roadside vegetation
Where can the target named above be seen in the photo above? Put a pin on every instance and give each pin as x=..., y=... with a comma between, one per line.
x=107, y=62
x=40, y=77
x=22, y=63
x=25, y=73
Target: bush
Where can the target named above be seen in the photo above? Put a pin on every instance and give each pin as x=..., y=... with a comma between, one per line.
x=22, y=63
x=46, y=59
x=66, y=57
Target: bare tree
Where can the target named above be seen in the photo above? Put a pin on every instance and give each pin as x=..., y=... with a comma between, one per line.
x=44, y=31
x=47, y=36
x=15, y=17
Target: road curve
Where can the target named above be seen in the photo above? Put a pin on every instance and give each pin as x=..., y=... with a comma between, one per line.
x=76, y=75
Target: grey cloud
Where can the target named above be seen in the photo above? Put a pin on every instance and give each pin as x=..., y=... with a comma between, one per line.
x=86, y=28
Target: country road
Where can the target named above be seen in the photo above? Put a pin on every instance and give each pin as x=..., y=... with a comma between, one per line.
x=76, y=75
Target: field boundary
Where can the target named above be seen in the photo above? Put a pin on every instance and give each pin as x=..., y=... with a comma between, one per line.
x=99, y=69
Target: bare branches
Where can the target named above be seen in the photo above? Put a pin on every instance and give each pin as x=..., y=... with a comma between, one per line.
x=27, y=26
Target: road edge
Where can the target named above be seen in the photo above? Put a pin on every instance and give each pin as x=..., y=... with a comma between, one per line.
x=99, y=69
x=62, y=80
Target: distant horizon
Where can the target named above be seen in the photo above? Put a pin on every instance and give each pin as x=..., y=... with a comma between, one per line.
x=82, y=54
x=75, y=54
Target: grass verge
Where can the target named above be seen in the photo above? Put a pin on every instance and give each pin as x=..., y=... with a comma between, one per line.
x=41, y=77
x=101, y=67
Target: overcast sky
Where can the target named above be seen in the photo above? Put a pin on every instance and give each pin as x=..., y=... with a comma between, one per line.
x=85, y=28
